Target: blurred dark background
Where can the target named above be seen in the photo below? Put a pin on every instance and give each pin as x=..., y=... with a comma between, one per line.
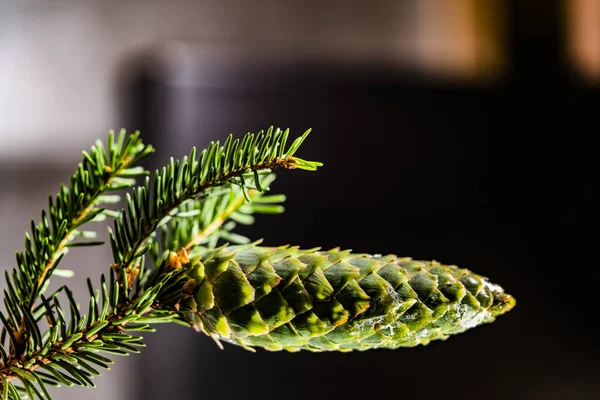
x=460, y=131
x=495, y=175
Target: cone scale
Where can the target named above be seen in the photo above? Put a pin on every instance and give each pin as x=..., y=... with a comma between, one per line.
x=285, y=298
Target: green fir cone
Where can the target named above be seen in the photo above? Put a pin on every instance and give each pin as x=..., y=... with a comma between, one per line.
x=285, y=298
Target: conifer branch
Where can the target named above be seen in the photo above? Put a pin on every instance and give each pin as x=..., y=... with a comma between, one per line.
x=104, y=331
x=217, y=222
x=66, y=352
x=238, y=162
x=270, y=297
x=207, y=220
x=74, y=206
x=118, y=163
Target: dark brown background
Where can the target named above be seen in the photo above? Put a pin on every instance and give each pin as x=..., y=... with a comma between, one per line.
x=498, y=178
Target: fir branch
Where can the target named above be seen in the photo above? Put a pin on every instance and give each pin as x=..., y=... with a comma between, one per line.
x=99, y=172
x=70, y=348
x=236, y=161
x=76, y=205
x=66, y=351
x=225, y=213
x=205, y=221
x=216, y=223
x=271, y=297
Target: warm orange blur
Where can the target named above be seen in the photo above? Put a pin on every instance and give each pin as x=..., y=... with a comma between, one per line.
x=583, y=37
